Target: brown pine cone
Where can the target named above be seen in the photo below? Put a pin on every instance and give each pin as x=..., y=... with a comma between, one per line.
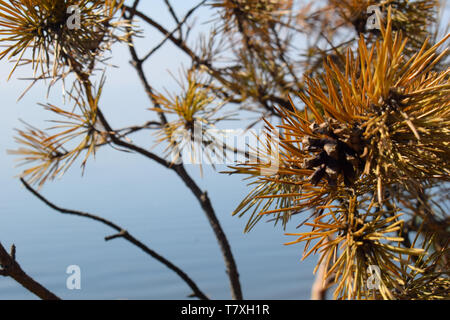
x=336, y=155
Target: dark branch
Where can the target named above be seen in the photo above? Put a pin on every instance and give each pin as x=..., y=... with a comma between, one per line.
x=178, y=28
x=10, y=268
x=123, y=234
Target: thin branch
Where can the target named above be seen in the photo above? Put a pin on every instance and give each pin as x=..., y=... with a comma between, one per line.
x=133, y=129
x=172, y=11
x=202, y=197
x=178, y=28
x=116, y=140
x=10, y=268
x=177, y=41
x=127, y=236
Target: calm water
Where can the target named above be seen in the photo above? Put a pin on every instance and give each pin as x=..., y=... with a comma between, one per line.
x=156, y=208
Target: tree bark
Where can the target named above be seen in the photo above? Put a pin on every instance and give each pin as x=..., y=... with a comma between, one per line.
x=10, y=268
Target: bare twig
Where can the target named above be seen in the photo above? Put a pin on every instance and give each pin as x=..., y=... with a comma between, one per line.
x=127, y=236
x=177, y=28
x=10, y=268
x=172, y=11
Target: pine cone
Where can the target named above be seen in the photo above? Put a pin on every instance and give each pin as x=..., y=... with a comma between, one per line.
x=336, y=153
